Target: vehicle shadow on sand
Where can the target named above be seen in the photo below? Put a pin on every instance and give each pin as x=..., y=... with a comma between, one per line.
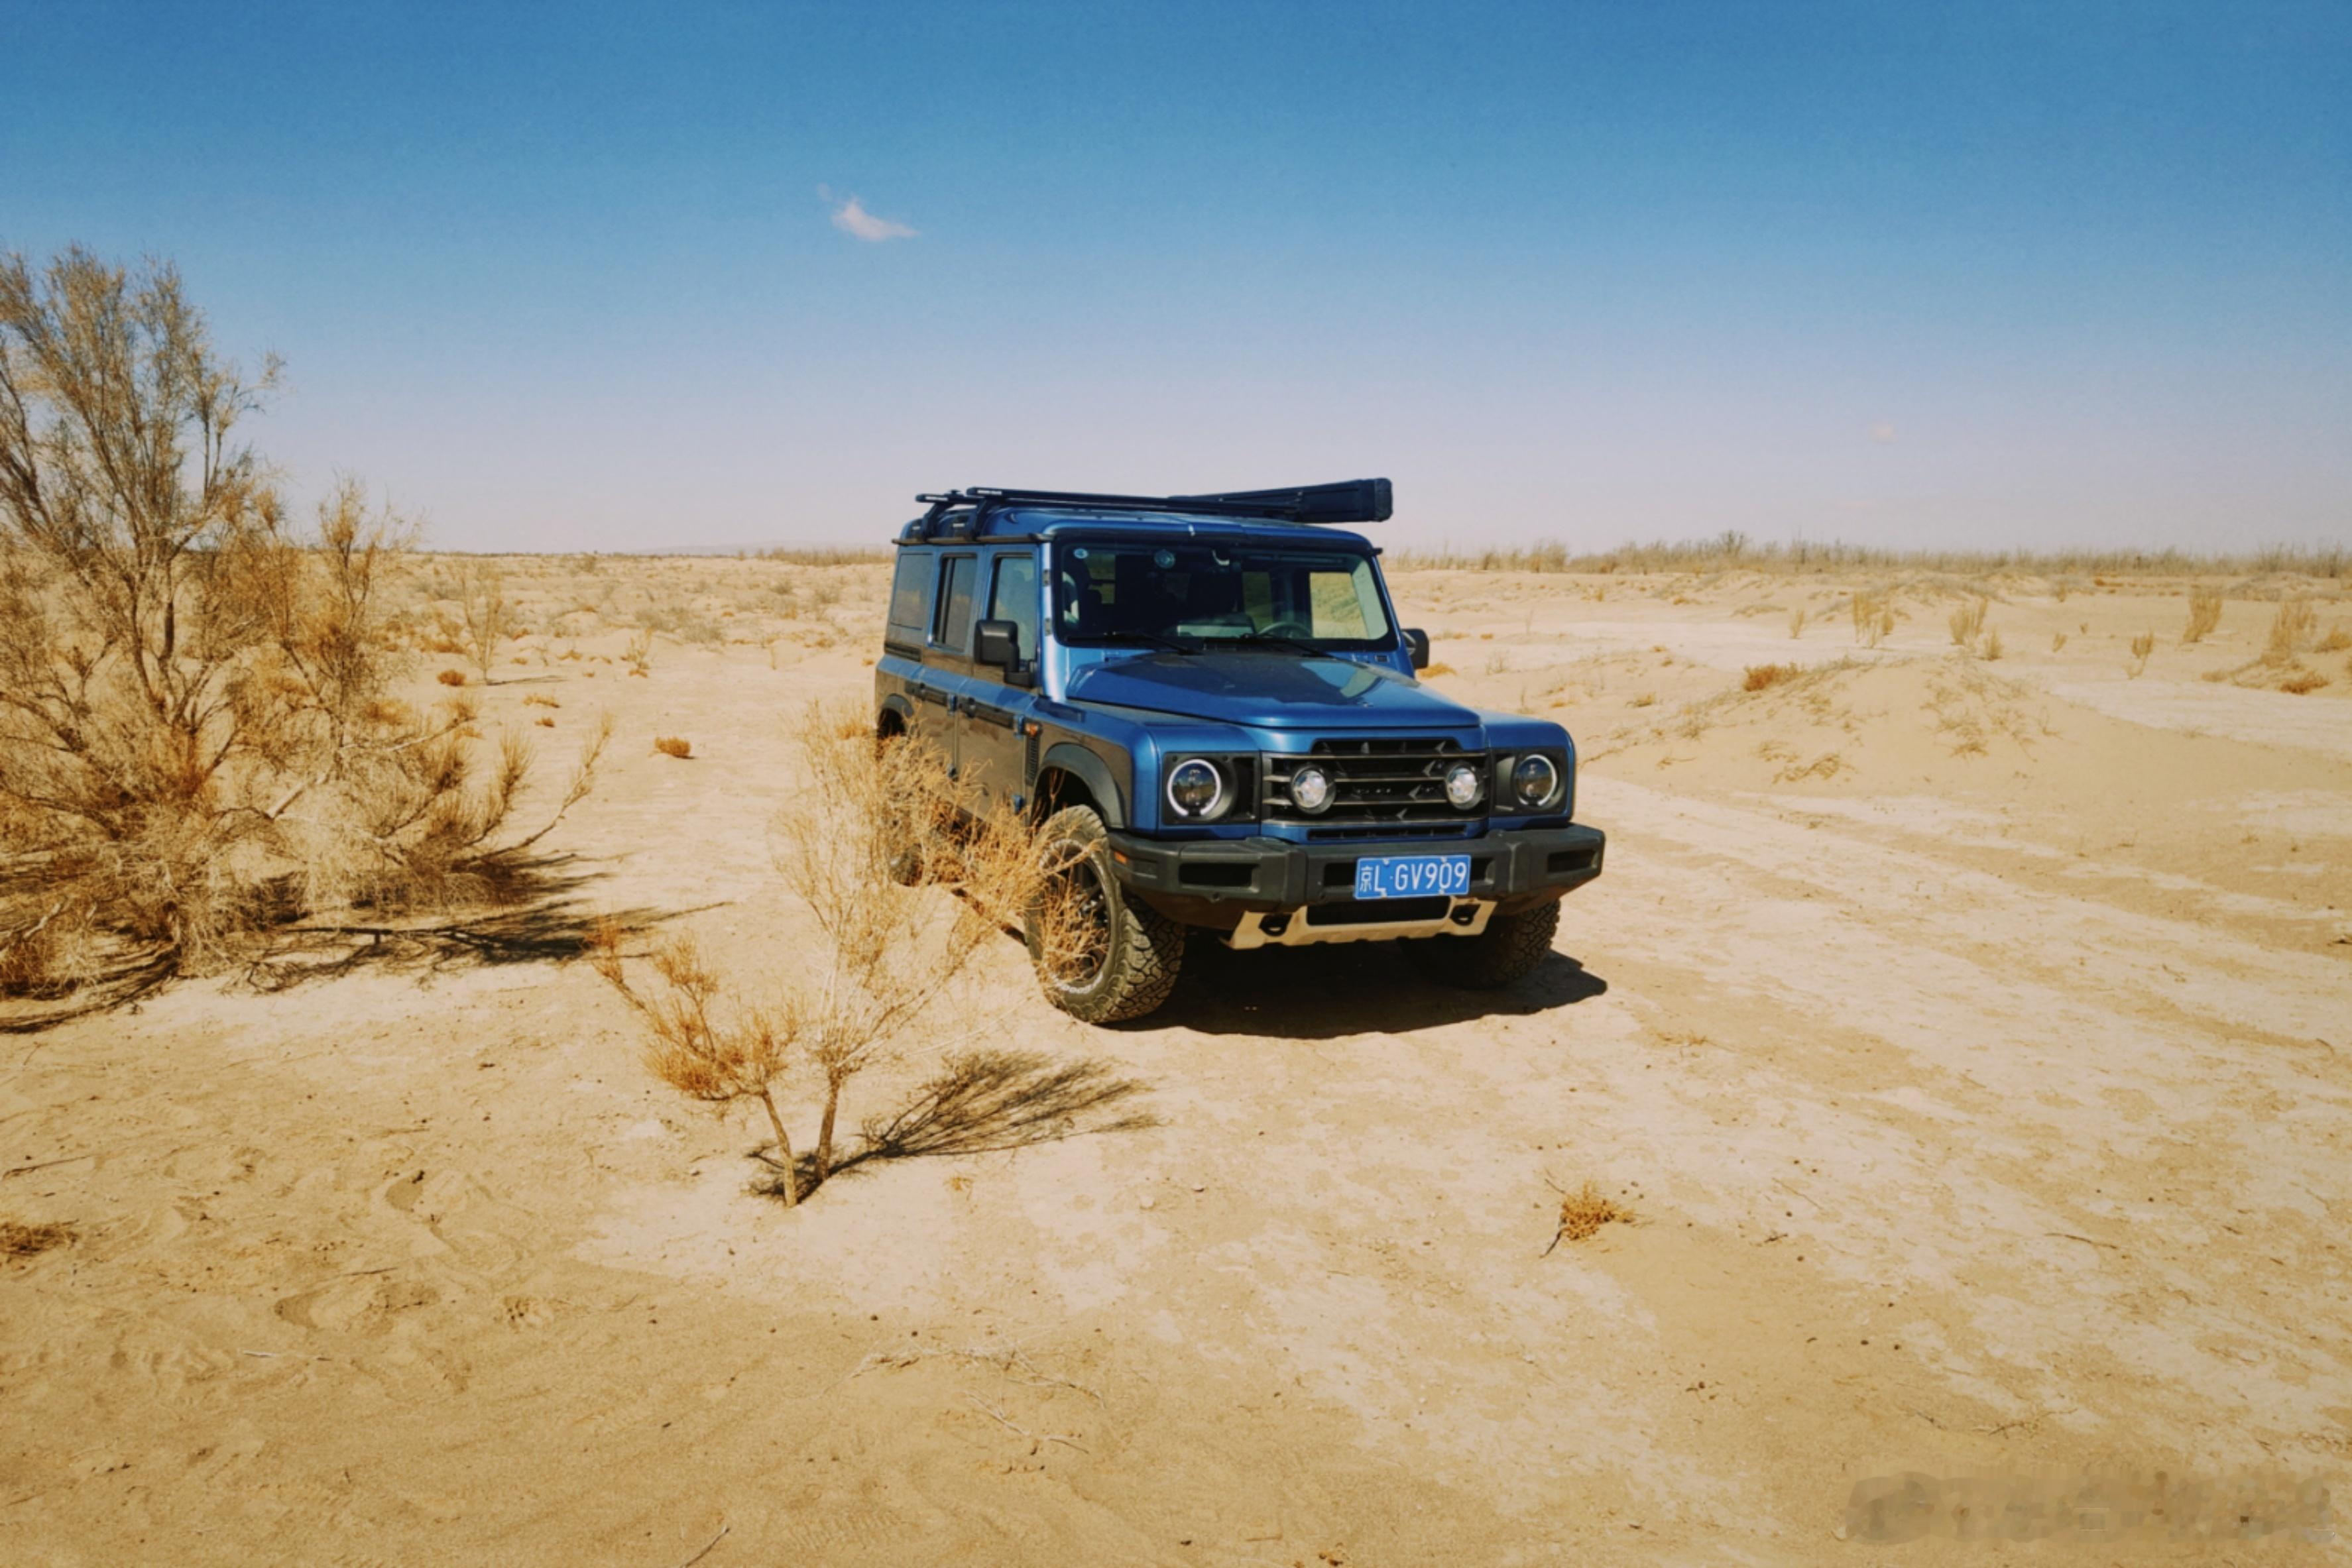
x=1367, y=988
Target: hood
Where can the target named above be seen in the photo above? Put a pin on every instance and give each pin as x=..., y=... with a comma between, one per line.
x=1273, y=691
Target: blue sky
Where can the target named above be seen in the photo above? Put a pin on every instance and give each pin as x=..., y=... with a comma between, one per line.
x=580, y=277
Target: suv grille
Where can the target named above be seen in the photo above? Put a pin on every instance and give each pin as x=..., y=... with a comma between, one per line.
x=1378, y=784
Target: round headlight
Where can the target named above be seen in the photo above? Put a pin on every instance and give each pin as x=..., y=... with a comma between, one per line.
x=1310, y=791
x=1195, y=787
x=1534, y=780
x=1462, y=786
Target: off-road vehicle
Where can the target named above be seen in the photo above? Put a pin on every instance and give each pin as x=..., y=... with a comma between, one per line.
x=1207, y=707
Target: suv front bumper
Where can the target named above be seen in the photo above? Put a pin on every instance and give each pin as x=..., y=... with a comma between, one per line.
x=1212, y=882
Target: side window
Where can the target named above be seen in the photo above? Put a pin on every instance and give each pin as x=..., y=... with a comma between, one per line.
x=1013, y=597
x=909, y=591
x=952, y=630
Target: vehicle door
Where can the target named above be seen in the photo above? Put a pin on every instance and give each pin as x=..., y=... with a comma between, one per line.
x=947, y=657
x=991, y=744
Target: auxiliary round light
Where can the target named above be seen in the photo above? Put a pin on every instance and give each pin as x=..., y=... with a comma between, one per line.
x=1462, y=786
x=1195, y=787
x=1310, y=791
x=1534, y=780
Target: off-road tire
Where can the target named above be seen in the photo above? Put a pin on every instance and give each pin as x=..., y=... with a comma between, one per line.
x=1507, y=950
x=1142, y=948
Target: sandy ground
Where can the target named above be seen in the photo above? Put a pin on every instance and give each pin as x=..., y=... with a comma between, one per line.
x=1972, y=1040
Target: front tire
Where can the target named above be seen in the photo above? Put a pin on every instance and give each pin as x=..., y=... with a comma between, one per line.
x=1100, y=956
x=1507, y=950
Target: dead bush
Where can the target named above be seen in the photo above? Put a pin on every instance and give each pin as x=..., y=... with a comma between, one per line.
x=539, y=699
x=2291, y=629
x=2142, y=646
x=1762, y=677
x=2204, y=613
x=1966, y=622
x=874, y=839
x=484, y=616
x=196, y=742
x=676, y=746
x=1583, y=1212
x=2303, y=683
x=1873, y=616
x=451, y=677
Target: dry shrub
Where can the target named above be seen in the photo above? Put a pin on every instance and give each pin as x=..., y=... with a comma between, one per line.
x=1435, y=669
x=1761, y=677
x=1966, y=622
x=196, y=741
x=2142, y=646
x=2336, y=642
x=1992, y=644
x=1797, y=622
x=484, y=616
x=451, y=677
x=1583, y=1212
x=18, y=1239
x=1873, y=616
x=2303, y=683
x=539, y=699
x=867, y=844
x=639, y=654
x=2290, y=630
x=676, y=746
x=2058, y=641
x=2204, y=613
x=544, y=722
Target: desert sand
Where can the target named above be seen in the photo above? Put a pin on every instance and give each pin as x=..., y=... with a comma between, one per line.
x=1969, y=1039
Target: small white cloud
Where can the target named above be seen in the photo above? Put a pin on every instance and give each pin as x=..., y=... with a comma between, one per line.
x=1882, y=433
x=850, y=217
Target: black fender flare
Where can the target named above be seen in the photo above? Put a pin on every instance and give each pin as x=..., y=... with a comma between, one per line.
x=897, y=703
x=1093, y=772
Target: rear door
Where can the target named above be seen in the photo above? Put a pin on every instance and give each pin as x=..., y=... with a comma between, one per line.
x=947, y=656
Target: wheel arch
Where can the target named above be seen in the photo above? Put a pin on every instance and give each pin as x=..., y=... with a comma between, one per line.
x=1070, y=774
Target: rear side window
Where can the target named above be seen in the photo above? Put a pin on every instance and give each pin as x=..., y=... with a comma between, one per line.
x=908, y=591
x=1015, y=598
x=954, y=628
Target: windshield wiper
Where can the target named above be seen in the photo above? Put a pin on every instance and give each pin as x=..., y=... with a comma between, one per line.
x=1149, y=639
x=1268, y=639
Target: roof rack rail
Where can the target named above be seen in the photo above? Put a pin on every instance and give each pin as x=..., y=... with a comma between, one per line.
x=1349, y=501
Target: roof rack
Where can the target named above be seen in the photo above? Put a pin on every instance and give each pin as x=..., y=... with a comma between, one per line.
x=1349, y=501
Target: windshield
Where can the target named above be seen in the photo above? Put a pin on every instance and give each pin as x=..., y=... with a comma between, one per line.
x=1192, y=594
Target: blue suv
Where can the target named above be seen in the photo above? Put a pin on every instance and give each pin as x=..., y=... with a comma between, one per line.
x=1206, y=704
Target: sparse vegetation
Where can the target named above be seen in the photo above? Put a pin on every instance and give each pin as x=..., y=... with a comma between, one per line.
x=484, y=616
x=1583, y=1212
x=2291, y=629
x=2142, y=646
x=197, y=741
x=888, y=946
x=1966, y=622
x=1734, y=550
x=2204, y=612
x=1761, y=677
x=676, y=746
x=1797, y=622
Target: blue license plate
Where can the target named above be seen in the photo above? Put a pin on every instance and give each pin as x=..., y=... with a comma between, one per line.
x=1413, y=876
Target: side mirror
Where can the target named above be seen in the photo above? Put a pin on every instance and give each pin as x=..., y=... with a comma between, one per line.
x=1416, y=644
x=996, y=642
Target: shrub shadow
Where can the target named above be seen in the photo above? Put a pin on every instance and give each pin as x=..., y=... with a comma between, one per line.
x=988, y=1102
x=1356, y=987
x=538, y=918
